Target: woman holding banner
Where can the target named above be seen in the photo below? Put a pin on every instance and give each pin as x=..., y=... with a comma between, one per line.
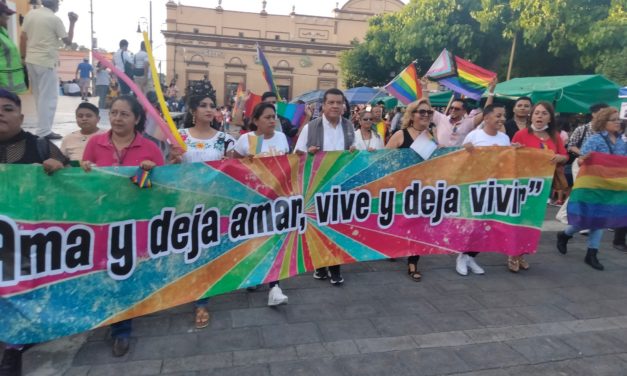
x=365, y=137
x=607, y=139
x=263, y=141
x=204, y=144
x=541, y=134
x=416, y=120
x=123, y=145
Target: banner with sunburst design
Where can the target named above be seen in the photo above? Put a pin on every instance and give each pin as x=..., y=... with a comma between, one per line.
x=81, y=250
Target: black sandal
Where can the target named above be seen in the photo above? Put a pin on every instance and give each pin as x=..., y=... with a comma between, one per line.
x=415, y=274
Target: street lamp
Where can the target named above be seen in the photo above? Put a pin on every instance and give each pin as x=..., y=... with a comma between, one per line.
x=142, y=21
x=147, y=22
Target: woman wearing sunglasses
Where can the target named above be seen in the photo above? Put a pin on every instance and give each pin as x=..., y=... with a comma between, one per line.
x=365, y=137
x=415, y=121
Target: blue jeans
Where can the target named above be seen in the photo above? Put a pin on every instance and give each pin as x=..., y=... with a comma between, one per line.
x=122, y=329
x=594, y=238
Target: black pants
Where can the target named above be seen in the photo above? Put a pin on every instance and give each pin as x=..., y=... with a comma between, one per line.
x=413, y=260
x=619, y=235
x=272, y=284
x=471, y=254
x=335, y=270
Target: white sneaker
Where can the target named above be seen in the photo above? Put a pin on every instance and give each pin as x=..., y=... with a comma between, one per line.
x=474, y=267
x=276, y=296
x=461, y=265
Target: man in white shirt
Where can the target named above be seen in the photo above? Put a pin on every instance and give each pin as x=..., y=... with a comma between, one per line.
x=451, y=130
x=489, y=135
x=39, y=43
x=330, y=132
x=120, y=58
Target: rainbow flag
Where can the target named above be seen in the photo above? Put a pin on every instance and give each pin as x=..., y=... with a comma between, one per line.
x=251, y=102
x=599, y=196
x=267, y=72
x=406, y=86
x=291, y=111
x=459, y=75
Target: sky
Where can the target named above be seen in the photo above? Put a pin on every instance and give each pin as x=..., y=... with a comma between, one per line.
x=117, y=19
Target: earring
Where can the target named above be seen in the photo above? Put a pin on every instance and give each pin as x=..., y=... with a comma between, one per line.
x=193, y=119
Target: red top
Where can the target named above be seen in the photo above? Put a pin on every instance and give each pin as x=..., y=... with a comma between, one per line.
x=100, y=151
x=524, y=137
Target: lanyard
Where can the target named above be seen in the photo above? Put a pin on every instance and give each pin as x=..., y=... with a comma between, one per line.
x=121, y=156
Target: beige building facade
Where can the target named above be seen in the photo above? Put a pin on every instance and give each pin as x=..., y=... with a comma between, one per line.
x=302, y=50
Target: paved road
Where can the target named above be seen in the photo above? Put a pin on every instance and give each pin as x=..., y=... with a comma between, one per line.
x=559, y=318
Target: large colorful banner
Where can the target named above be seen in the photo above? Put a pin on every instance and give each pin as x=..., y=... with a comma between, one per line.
x=81, y=250
x=599, y=196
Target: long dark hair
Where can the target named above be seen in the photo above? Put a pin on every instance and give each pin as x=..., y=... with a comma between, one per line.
x=552, y=129
x=137, y=110
x=257, y=112
x=192, y=105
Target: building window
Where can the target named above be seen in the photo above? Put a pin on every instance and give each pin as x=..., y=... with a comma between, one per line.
x=277, y=37
x=196, y=31
x=284, y=91
x=240, y=34
x=231, y=82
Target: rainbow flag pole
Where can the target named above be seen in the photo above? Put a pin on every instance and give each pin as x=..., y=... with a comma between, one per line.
x=267, y=72
x=406, y=86
x=459, y=75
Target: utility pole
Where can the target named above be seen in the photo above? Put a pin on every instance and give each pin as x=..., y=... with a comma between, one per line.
x=150, y=22
x=93, y=45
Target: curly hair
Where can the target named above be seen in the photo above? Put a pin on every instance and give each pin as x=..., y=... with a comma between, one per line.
x=409, y=112
x=602, y=118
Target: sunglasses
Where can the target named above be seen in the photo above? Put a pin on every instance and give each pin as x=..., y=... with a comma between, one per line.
x=366, y=119
x=423, y=112
x=456, y=108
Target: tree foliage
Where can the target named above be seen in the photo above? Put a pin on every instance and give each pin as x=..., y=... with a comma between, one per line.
x=556, y=37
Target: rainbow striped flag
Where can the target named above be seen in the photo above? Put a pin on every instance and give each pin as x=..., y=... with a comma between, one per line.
x=252, y=101
x=291, y=111
x=599, y=196
x=406, y=86
x=459, y=75
x=267, y=72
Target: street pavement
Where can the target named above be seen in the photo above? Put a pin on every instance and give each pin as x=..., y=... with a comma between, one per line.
x=561, y=317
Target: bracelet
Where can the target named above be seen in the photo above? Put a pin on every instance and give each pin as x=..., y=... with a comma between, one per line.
x=490, y=94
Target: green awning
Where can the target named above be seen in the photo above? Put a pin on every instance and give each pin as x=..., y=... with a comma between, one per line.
x=440, y=99
x=573, y=94
x=389, y=102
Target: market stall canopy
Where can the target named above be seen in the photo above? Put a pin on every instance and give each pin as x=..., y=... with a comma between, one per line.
x=363, y=95
x=574, y=94
x=310, y=96
x=389, y=102
x=440, y=99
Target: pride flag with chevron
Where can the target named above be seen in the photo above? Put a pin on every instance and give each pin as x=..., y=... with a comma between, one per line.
x=459, y=75
x=406, y=86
